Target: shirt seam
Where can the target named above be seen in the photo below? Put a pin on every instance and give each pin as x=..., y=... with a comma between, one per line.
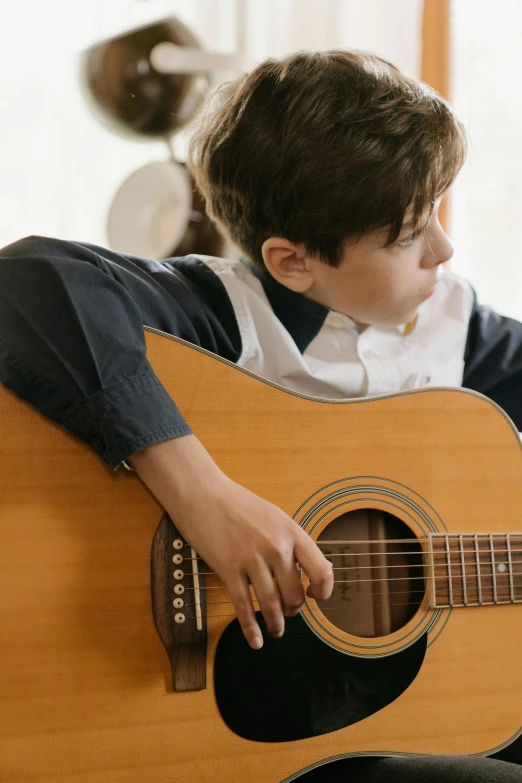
x=129, y=385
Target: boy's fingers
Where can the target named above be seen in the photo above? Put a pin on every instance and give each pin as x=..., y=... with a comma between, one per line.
x=269, y=599
x=318, y=569
x=290, y=587
x=242, y=600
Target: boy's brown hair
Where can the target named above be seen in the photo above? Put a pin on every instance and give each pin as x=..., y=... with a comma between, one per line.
x=321, y=147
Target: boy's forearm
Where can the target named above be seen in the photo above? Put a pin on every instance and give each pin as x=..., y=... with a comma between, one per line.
x=175, y=469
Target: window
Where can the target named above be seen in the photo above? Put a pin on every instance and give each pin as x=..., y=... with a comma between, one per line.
x=486, y=202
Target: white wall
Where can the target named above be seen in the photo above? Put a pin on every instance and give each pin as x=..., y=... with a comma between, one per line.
x=487, y=197
x=59, y=168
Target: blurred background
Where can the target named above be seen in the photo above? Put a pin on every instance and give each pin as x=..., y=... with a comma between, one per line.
x=93, y=137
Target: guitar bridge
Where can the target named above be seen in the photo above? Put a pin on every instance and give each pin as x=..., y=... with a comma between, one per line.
x=178, y=587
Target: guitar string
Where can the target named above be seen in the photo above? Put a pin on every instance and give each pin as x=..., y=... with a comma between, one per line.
x=431, y=568
x=401, y=603
x=451, y=551
x=436, y=538
x=334, y=597
x=502, y=593
x=443, y=564
x=441, y=577
x=442, y=552
x=391, y=592
x=349, y=568
x=460, y=552
x=445, y=606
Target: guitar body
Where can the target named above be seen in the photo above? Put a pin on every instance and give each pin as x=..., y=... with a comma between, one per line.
x=85, y=682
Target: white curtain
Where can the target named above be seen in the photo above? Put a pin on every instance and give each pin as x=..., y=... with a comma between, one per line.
x=59, y=168
x=487, y=197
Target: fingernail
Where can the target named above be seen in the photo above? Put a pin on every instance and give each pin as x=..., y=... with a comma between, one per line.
x=277, y=635
x=256, y=643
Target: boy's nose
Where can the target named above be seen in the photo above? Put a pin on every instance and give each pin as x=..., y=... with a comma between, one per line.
x=440, y=249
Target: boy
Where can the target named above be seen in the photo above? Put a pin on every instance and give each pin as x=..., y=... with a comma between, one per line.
x=327, y=170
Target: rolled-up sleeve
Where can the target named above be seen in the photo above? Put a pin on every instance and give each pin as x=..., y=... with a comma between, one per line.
x=72, y=341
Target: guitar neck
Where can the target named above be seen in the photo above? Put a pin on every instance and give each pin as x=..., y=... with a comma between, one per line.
x=476, y=569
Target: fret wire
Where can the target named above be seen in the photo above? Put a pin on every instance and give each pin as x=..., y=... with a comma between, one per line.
x=493, y=574
x=501, y=593
x=479, y=579
x=444, y=603
x=443, y=563
x=450, y=578
x=463, y=573
x=470, y=551
x=434, y=583
x=511, y=586
x=458, y=600
x=485, y=603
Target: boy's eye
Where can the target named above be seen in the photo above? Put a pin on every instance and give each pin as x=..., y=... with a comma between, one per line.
x=407, y=241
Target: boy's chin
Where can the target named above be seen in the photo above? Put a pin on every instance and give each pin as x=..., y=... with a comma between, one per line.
x=402, y=319
x=409, y=317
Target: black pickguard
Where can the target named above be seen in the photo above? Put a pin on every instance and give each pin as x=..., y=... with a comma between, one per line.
x=298, y=687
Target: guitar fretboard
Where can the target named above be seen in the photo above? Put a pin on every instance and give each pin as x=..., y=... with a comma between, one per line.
x=476, y=569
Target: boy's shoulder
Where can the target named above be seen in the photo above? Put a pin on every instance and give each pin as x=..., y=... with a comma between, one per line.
x=238, y=277
x=219, y=266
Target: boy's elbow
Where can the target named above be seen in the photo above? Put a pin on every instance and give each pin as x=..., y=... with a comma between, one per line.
x=30, y=246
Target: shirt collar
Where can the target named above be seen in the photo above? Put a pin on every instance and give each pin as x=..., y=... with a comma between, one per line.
x=301, y=317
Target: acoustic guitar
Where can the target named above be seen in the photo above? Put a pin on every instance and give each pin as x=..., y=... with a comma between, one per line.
x=120, y=657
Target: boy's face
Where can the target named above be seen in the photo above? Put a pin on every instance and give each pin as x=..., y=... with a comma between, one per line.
x=372, y=284
x=383, y=285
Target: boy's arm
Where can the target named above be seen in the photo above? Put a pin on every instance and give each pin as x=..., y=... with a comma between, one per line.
x=493, y=360
x=72, y=344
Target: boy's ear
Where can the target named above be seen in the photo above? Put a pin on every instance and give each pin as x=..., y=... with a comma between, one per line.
x=288, y=264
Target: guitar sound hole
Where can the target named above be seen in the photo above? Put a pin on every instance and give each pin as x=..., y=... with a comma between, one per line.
x=379, y=573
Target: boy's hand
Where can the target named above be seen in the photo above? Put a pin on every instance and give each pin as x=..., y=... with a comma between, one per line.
x=243, y=538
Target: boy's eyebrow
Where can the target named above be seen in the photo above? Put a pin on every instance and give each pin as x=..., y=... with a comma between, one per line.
x=411, y=224
x=407, y=226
